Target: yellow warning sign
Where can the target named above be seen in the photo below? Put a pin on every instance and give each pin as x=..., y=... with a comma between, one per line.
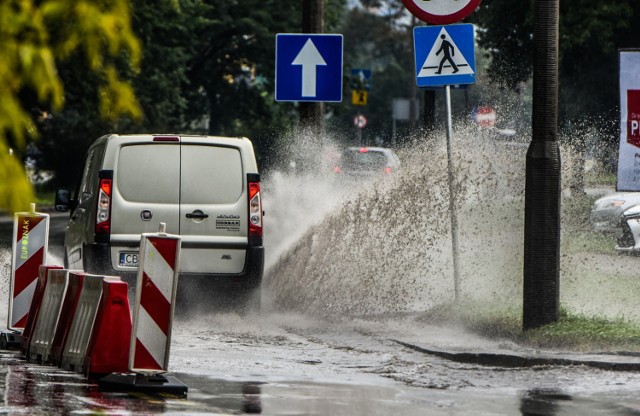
x=359, y=97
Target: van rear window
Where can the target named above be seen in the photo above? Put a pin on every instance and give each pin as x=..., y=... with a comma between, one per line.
x=210, y=174
x=189, y=174
x=149, y=173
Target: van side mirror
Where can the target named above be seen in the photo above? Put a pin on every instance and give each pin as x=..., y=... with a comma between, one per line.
x=63, y=200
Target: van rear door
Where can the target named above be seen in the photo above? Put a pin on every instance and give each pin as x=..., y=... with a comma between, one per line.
x=146, y=192
x=213, y=207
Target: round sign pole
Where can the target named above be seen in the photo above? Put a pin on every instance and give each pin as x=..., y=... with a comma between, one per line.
x=441, y=12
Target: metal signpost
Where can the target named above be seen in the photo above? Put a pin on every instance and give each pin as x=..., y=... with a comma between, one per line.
x=445, y=55
x=309, y=67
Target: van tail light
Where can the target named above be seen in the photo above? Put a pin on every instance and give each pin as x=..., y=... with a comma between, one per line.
x=255, y=206
x=103, y=211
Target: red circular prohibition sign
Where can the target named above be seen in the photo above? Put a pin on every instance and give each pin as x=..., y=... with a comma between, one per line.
x=430, y=16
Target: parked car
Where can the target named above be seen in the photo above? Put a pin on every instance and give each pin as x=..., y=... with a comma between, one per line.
x=607, y=211
x=205, y=189
x=367, y=162
x=629, y=235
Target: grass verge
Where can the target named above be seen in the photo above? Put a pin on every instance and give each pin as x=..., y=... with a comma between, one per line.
x=571, y=332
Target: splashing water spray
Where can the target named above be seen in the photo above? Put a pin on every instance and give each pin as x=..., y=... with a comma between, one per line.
x=385, y=245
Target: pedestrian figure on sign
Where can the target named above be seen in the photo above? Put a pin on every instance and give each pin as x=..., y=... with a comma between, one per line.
x=448, y=51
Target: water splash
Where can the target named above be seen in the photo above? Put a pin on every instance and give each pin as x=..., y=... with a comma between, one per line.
x=386, y=245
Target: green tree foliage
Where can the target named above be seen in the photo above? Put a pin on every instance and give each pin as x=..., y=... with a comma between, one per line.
x=591, y=32
x=202, y=61
x=232, y=64
x=34, y=37
x=377, y=36
x=161, y=87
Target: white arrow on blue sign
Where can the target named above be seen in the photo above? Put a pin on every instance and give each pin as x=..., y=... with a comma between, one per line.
x=444, y=55
x=309, y=67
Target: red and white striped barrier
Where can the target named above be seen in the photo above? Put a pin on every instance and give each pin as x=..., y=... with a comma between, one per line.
x=31, y=235
x=155, y=302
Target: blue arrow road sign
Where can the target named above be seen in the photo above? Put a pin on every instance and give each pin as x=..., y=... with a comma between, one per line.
x=308, y=67
x=444, y=55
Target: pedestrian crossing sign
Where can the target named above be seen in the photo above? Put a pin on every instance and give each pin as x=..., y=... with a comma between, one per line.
x=444, y=55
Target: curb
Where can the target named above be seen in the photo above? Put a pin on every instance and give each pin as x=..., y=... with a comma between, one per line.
x=515, y=360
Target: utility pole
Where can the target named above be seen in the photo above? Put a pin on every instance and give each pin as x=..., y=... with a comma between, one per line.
x=311, y=113
x=541, y=303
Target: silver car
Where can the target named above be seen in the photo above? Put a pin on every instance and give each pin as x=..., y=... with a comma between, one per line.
x=629, y=236
x=367, y=162
x=607, y=211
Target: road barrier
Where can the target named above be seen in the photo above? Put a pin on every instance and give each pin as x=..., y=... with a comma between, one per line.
x=77, y=341
x=67, y=312
x=83, y=323
x=155, y=302
x=45, y=326
x=31, y=234
x=153, y=316
x=34, y=310
x=108, y=350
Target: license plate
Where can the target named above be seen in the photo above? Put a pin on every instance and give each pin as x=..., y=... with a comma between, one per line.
x=129, y=258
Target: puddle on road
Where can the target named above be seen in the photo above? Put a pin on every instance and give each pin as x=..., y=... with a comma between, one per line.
x=29, y=388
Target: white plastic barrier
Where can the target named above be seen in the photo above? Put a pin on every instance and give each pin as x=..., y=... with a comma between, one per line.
x=30, y=237
x=67, y=312
x=77, y=341
x=155, y=302
x=36, y=303
x=47, y=321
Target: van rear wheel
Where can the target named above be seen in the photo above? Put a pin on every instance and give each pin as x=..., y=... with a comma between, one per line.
x=249, y=301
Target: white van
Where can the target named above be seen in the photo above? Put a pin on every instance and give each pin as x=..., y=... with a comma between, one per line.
x=206, y=189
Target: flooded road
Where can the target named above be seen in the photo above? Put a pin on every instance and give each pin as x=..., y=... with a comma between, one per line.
x=278, y=364
x=351, y=270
